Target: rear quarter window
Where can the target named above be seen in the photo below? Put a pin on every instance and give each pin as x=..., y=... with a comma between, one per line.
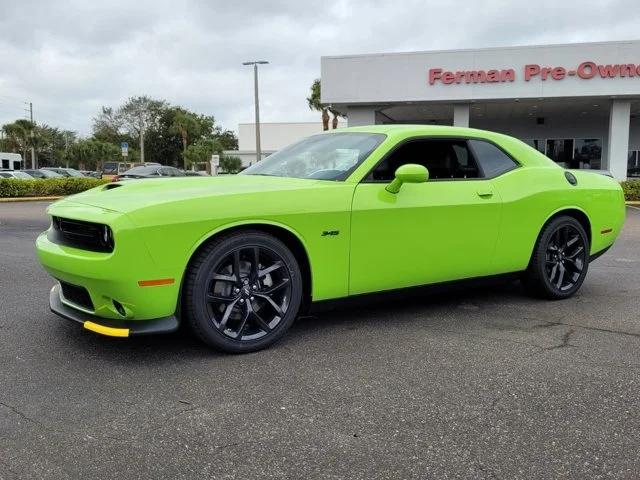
x=491, y=159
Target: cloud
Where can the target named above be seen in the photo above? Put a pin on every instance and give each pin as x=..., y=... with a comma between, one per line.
x=71, y=57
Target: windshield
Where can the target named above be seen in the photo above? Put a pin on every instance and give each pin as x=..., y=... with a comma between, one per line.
x=326, y=156
x=22, y=175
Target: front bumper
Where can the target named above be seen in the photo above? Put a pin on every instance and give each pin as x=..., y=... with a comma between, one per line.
x=107, y=326
x=128, y=276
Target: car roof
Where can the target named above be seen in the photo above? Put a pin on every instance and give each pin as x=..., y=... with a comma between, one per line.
x=524, y=153
x=426, y=130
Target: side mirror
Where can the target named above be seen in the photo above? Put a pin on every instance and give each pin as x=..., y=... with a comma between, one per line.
x=409, y=173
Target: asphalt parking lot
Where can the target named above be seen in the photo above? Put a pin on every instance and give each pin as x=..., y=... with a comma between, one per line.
x=480, y=383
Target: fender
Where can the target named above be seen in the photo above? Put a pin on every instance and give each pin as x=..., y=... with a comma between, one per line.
x=248, y=223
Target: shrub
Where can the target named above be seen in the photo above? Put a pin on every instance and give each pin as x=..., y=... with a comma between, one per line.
x=631, y=190
x=230, y=164
x=14, y=187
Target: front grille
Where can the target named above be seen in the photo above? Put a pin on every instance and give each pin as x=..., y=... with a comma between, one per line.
x=80, y=234
x=76, y=295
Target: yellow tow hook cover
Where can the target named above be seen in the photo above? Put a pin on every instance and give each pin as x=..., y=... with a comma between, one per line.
x=109, y=331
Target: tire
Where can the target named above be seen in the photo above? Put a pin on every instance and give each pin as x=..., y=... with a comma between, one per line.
x=560, y=260
x=242, y=292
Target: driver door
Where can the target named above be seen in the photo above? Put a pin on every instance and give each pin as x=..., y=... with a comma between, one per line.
x=443, y=229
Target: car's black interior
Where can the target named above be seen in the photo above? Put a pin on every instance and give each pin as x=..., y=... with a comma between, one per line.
x=445, y=159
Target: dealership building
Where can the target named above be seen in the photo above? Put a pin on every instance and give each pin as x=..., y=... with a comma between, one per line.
x=577, y=103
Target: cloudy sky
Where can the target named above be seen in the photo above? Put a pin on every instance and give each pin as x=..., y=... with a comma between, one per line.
x=71, y=57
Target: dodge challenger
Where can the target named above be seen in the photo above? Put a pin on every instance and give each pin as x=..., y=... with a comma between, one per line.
x=339, y=214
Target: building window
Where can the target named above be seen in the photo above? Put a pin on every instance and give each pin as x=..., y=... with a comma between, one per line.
x=587, y=153
x=561, y=152
x=537, y=143
x=633, y=163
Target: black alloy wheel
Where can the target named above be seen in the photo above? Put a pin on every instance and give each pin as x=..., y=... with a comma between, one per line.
x=242, y=292
x=560, y=259
x=248, y=293
x=565, y=257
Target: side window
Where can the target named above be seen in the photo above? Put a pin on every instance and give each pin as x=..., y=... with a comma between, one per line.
x=493, y=161
x=5, y=163
x=445, y=160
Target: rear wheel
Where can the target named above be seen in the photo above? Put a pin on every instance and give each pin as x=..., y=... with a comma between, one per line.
x=560, y=259
x=242, y=292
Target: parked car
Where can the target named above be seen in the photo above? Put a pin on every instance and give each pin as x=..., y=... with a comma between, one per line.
x=15, y=174
x=65, y=172
x=115, y=168
x=91, y=173
x=149, y=171
x=118, y=168
x=355, y=211
x=40, y=173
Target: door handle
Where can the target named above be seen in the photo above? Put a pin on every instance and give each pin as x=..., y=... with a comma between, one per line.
x=485, y=193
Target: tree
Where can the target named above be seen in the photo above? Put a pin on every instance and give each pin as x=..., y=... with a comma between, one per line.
x=227, y=138
x=315, y=103
x=230, y=164
x=51, y=144
x=186, y=125
x=19, y=137
x=139, y=114
x=107, y=126
x=166, y=138
x=90, y=154
x=201, y=151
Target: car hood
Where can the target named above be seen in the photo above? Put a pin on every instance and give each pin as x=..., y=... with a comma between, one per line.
x=131, y=195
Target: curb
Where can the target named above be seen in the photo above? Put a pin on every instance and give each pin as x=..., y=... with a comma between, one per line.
x=28, y=199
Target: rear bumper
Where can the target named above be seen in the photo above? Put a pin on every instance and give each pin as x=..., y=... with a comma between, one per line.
x=599, y=254
x=107, y=326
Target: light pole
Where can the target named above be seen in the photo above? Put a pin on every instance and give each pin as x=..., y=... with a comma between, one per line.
x=257, y=102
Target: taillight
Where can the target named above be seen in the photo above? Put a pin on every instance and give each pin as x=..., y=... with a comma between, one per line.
x=116, y=178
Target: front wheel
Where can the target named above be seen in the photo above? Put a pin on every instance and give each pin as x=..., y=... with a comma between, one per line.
x=560, y=259
x=242, y=292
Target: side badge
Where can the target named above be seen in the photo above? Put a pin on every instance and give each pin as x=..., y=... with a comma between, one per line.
x=330, y=233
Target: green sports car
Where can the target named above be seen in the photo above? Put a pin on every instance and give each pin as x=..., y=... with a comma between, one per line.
x=351, y=212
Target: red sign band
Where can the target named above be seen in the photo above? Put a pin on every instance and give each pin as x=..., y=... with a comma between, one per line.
x=585, y=71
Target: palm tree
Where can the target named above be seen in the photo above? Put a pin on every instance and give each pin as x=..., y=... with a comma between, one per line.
x=184, y=124
x=314, y=103
x=336, y=114
x=19, y=136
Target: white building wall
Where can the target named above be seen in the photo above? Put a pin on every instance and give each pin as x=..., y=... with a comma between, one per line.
x=403, y=77
x=274, y=136
x=359, y=116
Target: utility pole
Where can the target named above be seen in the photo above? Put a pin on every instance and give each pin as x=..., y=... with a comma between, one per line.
x=257, y=103
x=34, y=162
x=142, y=125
